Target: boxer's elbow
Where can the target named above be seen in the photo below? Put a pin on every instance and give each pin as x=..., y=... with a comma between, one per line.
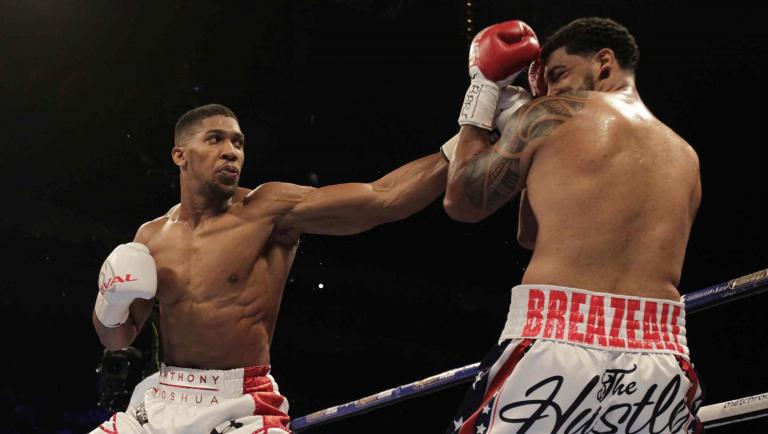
x=460, y=211
x=114, y=338
x=392, y=203
x=457, y=205
x=393, y=208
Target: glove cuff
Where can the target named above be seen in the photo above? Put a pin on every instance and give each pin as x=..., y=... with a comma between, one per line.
x=109, y=314
x=479, y=104
x=449, y=147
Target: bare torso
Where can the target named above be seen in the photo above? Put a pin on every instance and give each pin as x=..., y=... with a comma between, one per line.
x=223, y=254
x=614, y=193
x=220, y=283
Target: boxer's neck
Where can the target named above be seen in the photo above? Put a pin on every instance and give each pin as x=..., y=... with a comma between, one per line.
x=198, y=203
x=619, y=83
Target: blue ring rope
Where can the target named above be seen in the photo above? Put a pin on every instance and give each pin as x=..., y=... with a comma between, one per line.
x=695, y=301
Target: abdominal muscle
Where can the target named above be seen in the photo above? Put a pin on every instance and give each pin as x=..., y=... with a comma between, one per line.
x=216, y=334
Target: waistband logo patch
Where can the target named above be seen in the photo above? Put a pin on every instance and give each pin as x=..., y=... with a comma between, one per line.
x=603, y=320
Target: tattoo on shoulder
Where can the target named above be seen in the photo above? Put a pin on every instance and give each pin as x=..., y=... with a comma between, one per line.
x=491, y=178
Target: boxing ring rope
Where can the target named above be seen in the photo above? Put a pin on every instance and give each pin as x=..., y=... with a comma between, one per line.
x=723, y=413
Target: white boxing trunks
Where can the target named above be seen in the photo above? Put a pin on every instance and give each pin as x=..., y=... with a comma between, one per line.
x=573, y=361
x=235, y=401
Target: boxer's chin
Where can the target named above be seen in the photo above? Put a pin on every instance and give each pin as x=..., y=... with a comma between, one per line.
x=219, y=191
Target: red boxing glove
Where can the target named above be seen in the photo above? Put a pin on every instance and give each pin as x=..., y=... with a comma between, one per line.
x=536, y=79
x=496, y=56
x=500, y=52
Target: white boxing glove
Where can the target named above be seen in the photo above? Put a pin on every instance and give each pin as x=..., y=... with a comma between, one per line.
x=449, y=147
x=511, y=99
x=128, y=273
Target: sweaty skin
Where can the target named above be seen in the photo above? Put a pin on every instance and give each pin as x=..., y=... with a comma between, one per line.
x=611, y=192
x=224, y=253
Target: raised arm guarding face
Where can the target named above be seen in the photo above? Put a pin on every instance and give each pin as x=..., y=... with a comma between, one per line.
x=482, y=178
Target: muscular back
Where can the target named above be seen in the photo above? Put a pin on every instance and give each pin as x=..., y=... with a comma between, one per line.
x=614, y=192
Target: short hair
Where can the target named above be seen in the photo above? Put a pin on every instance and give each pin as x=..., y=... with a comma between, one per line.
x=586, y=36
x=190, y=118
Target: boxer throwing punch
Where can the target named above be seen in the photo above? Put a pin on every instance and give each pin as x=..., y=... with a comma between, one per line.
x=217, y=264
x=595, y=336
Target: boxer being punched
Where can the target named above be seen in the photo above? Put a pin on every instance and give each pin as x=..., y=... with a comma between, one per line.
x=595, y=335
x=217, y=264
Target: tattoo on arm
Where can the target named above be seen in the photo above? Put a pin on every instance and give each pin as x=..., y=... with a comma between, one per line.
x=491, y=178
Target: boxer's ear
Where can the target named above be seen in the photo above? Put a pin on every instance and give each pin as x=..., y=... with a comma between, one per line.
x=606, y=59
x=179, y=156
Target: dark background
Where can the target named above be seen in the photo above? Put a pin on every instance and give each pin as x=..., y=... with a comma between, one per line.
x=327, y=92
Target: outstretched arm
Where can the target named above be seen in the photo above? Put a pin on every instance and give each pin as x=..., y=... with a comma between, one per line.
x=345, y=209
x=481, y=177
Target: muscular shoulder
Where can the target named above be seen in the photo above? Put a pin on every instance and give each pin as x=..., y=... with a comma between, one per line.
x=278, y=199
x=277, y=196
x=564, y=104
x=541, y=117
x=149, y=229
x=689, y=156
